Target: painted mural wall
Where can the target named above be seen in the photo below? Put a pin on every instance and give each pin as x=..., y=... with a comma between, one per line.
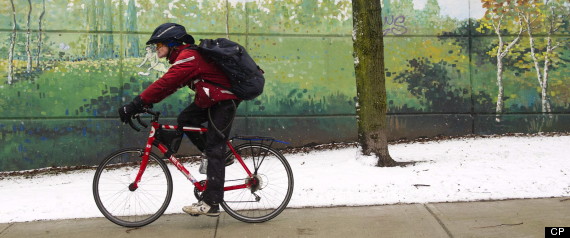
x=453, y=67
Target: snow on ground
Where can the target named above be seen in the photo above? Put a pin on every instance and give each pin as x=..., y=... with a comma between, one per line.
x=463, y=169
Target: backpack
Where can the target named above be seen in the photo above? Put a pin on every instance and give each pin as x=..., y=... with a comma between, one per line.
x=245, y=76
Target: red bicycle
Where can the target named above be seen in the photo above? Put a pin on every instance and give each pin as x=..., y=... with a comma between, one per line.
x=133, y=186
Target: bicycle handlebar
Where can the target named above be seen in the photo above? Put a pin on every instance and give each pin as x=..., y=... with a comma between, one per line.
x=155, y=116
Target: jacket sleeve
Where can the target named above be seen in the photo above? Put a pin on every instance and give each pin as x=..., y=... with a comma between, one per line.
x=180, y=74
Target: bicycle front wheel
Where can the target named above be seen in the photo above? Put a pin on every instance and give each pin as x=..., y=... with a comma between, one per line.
x=269, y=188
x=119, y=201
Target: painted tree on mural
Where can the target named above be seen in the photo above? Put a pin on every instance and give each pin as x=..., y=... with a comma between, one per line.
x=29, y=39
x=534, y=15
x=525, y=16
x=131, y=25
x=40, y=33
x=100, y=18
x=92, y=26
x=107, y=40
x=370, y=80
x=12, y=44
x=501, y=15
x=386, y=7
x=431, y=83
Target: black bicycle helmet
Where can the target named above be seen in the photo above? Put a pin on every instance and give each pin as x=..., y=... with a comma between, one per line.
x=168, y=33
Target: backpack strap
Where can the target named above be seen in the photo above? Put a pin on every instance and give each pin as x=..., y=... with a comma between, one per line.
x=197, y=48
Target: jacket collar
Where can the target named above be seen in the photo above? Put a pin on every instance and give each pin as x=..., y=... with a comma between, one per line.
x=175, y=52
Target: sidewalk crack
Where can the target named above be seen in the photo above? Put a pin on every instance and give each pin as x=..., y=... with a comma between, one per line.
x=439, y=221
x=514, y=224
x=217, y=225
x=5, y=229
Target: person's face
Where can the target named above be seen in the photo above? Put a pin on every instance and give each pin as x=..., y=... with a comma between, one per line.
x=161, y=50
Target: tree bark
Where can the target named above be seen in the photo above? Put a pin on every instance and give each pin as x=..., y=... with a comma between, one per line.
x=370, y=80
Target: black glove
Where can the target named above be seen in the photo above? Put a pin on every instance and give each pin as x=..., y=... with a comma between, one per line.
x=132, y=108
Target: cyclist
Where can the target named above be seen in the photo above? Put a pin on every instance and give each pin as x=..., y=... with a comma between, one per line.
x=212, y=104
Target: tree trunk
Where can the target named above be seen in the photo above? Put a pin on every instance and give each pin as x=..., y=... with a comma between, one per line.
x=500, y=95
x=12, y=44
x=132, y=49
x=227, y=19
x=552, y=28
x=92, y=44
x=28, y=40
x=502, y=51
x=387, y=7
x=40, y=33
x=544, y=86
x=107, y=40
x=370, y=80
x=542, y=81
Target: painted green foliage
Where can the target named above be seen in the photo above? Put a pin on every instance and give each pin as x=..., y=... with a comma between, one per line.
x=88, y=57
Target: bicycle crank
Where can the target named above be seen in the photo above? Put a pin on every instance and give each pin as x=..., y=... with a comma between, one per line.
x=197, y=192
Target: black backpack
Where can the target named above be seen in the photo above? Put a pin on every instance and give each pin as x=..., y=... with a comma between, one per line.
x=244, y=74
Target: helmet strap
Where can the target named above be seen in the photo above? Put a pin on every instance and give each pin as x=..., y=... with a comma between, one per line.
x=169, y=52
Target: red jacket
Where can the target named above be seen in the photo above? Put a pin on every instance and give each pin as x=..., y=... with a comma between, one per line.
x=190, y=69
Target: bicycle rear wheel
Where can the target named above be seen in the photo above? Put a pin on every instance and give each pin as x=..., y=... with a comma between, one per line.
x=271, y=185
x=126, y=206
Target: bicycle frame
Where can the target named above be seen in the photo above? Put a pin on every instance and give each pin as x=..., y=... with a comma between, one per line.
x=201, y=187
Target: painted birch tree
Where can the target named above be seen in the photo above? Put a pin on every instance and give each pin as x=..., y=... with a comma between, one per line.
x=372, y=106
x=40, y=32
x=535, y=14
x=500, y=15
x=12, y=44
x=29, y=39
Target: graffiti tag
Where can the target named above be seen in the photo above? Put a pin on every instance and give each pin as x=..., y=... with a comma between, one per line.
x=394, y=25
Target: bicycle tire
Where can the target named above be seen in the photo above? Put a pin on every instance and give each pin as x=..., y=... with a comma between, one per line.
x=132, y=208
x=264, y=202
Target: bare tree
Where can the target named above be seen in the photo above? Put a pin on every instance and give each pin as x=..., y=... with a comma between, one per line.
x=370, y=80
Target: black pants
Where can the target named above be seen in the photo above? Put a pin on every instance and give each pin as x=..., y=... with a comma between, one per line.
x=213, y=143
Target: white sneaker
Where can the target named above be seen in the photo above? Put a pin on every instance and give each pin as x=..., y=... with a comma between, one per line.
x=202, y=208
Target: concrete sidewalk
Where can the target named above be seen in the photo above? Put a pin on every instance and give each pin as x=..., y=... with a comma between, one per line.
x=510, y=218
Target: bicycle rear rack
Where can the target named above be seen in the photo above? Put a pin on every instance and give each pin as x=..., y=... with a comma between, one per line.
x=261, y=139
